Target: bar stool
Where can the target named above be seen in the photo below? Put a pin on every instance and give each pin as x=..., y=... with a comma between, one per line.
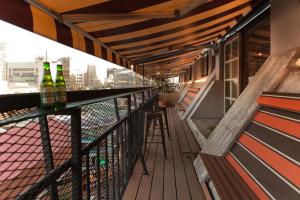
x=163, y=107
x=149, y=118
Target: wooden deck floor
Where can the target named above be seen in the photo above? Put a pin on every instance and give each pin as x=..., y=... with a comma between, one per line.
x=174, y=178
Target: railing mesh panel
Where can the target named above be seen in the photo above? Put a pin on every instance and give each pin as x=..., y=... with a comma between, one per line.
x=89, y=150
x=21, y=157
x=64, y=185
x=60, y=137
x=122, y=106
x=97, y=118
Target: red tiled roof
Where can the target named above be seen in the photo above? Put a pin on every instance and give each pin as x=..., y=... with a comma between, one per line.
x=22, y=158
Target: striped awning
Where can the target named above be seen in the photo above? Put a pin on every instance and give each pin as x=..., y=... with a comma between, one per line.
x=164, y=35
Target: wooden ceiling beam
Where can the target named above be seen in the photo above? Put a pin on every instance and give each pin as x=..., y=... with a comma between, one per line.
x=76, y=18
x=185, y=62
x=190, y=6
x=187, y=49
x=167, y=49
x=173, y=71
x=171, y=60
x=171, y=63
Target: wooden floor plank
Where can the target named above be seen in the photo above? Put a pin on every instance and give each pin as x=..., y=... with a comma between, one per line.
x=195, y=148
x=169, y=172
x=133, y=185
x=174, y=178
x=180, y=176
x=157, y=189
x=185, y=147
x=135, y=179
x=206, y=191
x=188, y=157
x=146, y=182
x=194, y=186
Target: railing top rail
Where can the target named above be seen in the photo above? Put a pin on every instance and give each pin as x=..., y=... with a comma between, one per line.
x=67, y=108
x=9, y=102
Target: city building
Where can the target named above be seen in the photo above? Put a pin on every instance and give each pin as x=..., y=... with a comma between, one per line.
x=3, y=81
x=72, y=82
x=2, y=62
x=3, y=71
x=110, y=73
x=124, y=78
x=121, y=78
x=23, y=74
x=109, y=81
x=79, y=80
x=90, y=77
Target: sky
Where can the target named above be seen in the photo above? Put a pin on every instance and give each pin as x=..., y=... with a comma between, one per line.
x=24, y=46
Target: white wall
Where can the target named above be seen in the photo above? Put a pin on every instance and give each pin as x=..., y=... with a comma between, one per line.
x=285, y=25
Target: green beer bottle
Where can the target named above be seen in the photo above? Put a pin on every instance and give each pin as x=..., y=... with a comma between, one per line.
x=47, y=88
x=60, y=87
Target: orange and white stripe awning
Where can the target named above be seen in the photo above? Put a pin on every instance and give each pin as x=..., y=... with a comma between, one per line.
x=127, y=32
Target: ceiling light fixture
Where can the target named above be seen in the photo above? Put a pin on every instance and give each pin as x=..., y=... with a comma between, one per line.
x=298, y=62
x=200, y=80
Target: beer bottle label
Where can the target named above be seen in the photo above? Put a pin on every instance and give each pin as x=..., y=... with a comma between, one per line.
x=47, y=95
x=60, y=94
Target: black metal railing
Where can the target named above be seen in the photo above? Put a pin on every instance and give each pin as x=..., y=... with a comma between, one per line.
x=86, y=150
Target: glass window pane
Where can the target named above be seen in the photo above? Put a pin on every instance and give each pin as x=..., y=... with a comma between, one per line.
x=227, y=88
x=257, y=43
x=234, y=89
x=227, y=52
x=235, y=69
x=227, y=71
x=235, y=48
x=231, y=73
x=227, y=104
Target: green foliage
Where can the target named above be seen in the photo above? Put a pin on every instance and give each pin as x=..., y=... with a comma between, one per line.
x=162, y=84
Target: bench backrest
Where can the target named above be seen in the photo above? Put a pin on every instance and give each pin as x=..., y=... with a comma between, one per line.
x=267, y=154
x=189, y=96
x=179, y=87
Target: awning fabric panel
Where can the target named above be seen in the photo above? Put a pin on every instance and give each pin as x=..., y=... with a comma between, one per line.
x=33, y=19
x=127, y=41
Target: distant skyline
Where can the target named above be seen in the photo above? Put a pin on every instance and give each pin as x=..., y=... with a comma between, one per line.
x=24, y=46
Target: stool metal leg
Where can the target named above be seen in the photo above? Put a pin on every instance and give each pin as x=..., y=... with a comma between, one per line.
x=154, y=125
x=166, y=121
x=140, y=146
x=162, y=135
x=146, y=128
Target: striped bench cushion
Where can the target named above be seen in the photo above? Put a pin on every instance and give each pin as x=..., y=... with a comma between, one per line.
x=229, y=184
x=195, y=90
x=180, y=107
x=187, y=101
x=189, y=96
x=267, y=154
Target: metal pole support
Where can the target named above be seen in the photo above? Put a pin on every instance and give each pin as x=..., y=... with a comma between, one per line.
x=76, y=157
x=130, y=136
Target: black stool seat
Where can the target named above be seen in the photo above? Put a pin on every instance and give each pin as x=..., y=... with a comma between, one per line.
x=152, y=117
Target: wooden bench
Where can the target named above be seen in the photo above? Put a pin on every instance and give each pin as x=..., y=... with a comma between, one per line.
x=187, y=99
x=179, y=87
x=264, y=161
